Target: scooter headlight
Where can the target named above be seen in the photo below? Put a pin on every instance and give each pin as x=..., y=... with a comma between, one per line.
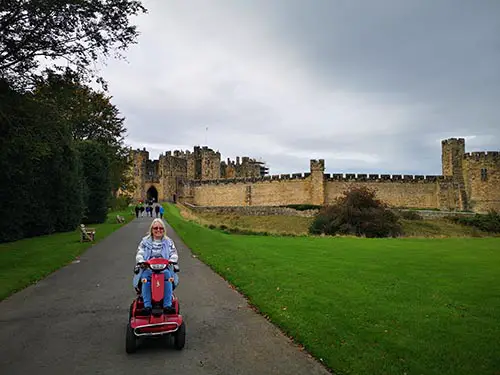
x=158, y=267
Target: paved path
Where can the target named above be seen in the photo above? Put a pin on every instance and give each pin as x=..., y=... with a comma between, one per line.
x=73, y=322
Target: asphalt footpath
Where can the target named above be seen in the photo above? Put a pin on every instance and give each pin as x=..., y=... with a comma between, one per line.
x=73, y=321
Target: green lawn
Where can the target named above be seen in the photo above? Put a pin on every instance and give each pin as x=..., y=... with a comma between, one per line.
x=369, y=306
x=26, y=261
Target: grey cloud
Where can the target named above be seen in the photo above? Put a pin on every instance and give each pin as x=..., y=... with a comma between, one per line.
x=282, y=80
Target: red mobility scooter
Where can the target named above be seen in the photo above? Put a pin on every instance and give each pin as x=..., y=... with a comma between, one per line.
x=156, y=323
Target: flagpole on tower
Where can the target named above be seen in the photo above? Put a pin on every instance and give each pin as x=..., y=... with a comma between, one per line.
x=206, y=135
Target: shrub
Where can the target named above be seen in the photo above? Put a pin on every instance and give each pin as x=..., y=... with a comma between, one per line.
x=212, y=226
x=357, y=213
x=487, y=223
x=119, y=203
x=97, y=182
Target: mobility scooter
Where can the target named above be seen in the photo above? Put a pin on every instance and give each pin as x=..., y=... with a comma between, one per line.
x=154, y=323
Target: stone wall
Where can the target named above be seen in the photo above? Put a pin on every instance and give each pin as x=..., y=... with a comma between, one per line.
x=272, y=191
x=395, y=191
x=253, y=210
x=427, y=192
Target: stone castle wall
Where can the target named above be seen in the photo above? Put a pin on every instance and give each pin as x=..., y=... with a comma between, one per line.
x=429, y=192
x=470, y=181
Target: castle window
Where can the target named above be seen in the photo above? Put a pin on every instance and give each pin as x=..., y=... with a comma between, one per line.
x=484, y=174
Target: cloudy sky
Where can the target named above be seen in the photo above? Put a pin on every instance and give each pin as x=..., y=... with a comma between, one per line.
x=369, y=86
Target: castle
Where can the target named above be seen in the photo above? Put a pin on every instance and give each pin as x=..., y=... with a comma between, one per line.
x=469, y=181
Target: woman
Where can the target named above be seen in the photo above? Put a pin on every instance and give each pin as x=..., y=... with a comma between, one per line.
x=156, y=244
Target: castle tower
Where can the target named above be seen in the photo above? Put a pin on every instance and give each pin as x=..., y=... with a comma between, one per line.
x=210, y=164
x=482, y=180
x=317, y=182
x=140, y=159
x=452, y=155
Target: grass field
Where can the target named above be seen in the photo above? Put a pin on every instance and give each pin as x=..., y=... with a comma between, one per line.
x=277, y=224
x=26, y=261
x=369, y=306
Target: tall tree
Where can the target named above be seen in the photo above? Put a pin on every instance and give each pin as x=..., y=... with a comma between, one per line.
x=91, y=116
x=40, y=170
x=74, y=32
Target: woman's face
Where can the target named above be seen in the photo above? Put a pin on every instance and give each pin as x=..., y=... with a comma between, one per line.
x=158, y=231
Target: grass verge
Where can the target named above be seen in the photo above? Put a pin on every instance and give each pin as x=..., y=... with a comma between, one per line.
x=297, y=225
x=27, y=261
x=368, y=306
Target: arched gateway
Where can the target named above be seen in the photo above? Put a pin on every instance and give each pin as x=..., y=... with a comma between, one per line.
x=152, y=194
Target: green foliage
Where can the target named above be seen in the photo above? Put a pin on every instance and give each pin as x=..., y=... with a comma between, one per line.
x=96, y=175
x=357, y=213
x=488, y=223
x=76, y=32
x=44, y=183
x=91, y=116
x=119, y=203
x=40, y=170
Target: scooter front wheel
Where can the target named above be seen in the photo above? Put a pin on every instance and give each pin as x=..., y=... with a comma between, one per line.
x=180, y=337
x=130, y=340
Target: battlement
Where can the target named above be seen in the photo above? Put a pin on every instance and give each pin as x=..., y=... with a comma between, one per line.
x=205, y=151
x=348, y=177
x=484, y=155
x=351, y=177
x=143, y=152
x=244, y=161
x=277, y=177
x=179, y=154
x=317, y=165
x=453, y=141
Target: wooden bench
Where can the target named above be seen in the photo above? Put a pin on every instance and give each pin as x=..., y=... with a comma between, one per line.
x=88, y=234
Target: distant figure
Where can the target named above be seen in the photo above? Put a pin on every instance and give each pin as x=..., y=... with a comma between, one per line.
x=142, y=210
x=137, y=210
x=162, y=210
x=157, y=210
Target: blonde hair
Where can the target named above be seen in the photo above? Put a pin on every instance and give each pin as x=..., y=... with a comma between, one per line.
x=157, y=221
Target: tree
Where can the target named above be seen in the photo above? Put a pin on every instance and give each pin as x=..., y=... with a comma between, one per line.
x=75, y=32
x=91, y=115
x=40, y=171
x=357, y=212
